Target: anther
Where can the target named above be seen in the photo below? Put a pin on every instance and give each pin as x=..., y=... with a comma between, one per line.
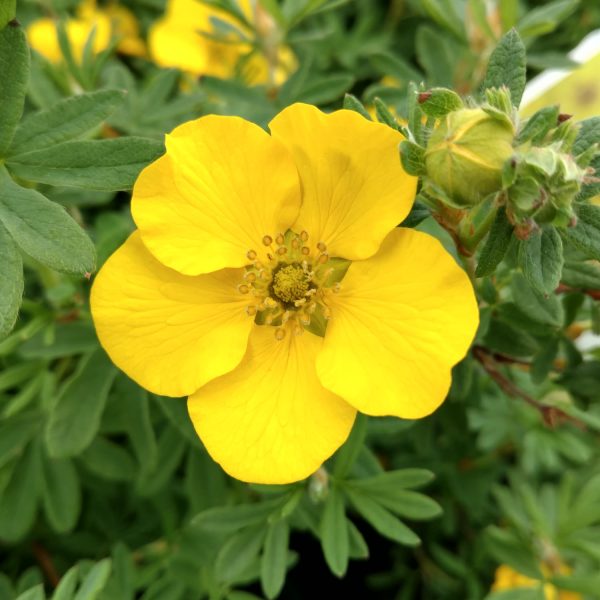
x=305, y=320
x=298, y=330
x=243, y=288
x=286, y=317
x=323, y=258
x=281, y=251
x=304, y=236
x=326, y=313
x=321, y=247
x=305, y=250
x=296, y=243
x=251, y=310
x=279, y=334
x=267, y=240
x=250, y=277
x=280, y=239
x=251, y=255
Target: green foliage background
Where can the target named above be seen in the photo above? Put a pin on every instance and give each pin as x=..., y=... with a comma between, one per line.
x=106, y=487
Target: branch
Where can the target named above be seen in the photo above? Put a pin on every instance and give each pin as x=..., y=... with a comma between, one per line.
x=551, y=415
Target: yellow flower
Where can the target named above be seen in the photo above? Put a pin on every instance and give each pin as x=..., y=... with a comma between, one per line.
x=176, y=40
x=240, y=237
x=507, y=579
x=577, y=91
x=112, y=21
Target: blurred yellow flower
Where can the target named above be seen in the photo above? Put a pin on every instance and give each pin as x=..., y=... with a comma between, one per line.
x=230, y=291
x=177, y=40
x=508, y=579
x=109, y=22
x=577, y=91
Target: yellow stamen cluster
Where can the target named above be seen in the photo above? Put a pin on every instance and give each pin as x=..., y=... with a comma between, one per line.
x=287, y=282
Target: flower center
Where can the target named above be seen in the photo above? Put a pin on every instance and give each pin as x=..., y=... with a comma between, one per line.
x=288, y=283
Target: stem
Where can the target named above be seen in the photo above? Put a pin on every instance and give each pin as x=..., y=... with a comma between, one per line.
x=551, y=415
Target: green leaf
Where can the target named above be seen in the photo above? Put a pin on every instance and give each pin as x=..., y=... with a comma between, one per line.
x=496, y=245
x=581, y=275
x=507, y=66
x=232, y=518
x=434, y=53
x=238, y=553
x=384, y=115
x=353, y=103
x=542, y=309
x=134, y=400
x=413, y=158
x=75, y=418
x=347, y=454
x=538, y=125
x=323, y=90
x=43, y=229
x=404, y=503
x=334, y=533
x=15, y=433
x=587, y=136
x=11, y=282
x=67, y=119
x=20, y=498
x=401, y=479
x=108, y=460
x=36, y=593
x=59, y=340
x=545, y=19
x=94, y=581
x=14, y=76
x=541, y=259
x=61, y=494
x=105, y=165
x=65, y=589
x=358, y=546
x=585, y=236
x=438, y=102
x=8, y=9
x=382, y=520
x=444, y=13
x=273, y=564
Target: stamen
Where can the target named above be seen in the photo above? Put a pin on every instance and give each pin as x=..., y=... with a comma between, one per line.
x=250, y=277
x=243, y=288
x=323, y=258
x=304, y=236
x=321, y=247
x=281, y=251
x=251, y=255
x=251, y=310
x=280, y=239
x=267, y=240
x=305, y=250
x=279, y=334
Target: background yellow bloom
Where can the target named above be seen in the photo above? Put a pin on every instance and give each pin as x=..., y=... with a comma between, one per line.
x=507, y=578
x=176, y=40
x=113, y=21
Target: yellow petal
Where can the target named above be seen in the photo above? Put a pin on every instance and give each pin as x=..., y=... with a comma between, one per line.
x=400, y=322
x=223, y=185
x=354, y=188
x=169, y=332
x=270, y=420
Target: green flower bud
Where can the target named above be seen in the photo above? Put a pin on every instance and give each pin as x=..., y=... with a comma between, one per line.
x=466, y=153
